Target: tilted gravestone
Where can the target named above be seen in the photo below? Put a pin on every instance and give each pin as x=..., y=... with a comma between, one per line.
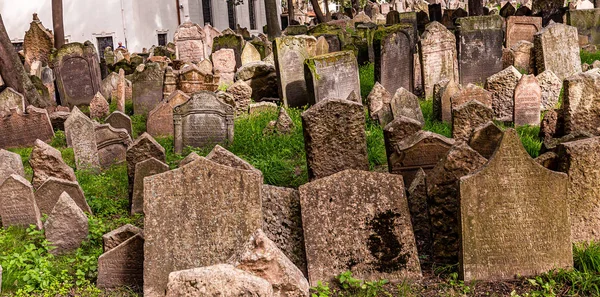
x=115, y=237
x=10, y=163
x=290, y=52
x=177, y=98
x=143, y=148
x=9, y=99
x=17, y=203
x=189, y=42
x=521, y=28
x=143, y=169
x=581, y=104
x=467, y=117
x=80, y=132
x=480, y=42
x=160, y=120
x=225, y=205
x=502, y=86
x=23, y=129
x=112, y=145
x=528, y=101
x=332, y=75
x=147, y=88
x=438, y=55
x=203, y=120
x=119, y=120
x=551, y=86
x=557, y=49
x=506, y=228
x=587, y=22
x=334, y=137
x=123, y=265
x=38, y=43
x=49, y=192
x=375, y=244
x=224, y=65
x=394, y=49
x=485, y=139
x=77, y=72
x=193, y=79
x=405, y=103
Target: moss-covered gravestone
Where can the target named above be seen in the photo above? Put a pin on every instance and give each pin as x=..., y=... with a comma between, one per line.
x=333, y=75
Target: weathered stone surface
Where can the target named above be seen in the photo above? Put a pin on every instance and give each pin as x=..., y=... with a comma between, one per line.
x=121, y=93
x=202, y=121
x=50, y=191
x=261, y=257
x=99, y=108
x=379, y=108
x=334, y=137
x=551, y=144
x=262, y=107
x=192, y=79
x=80, y=133
x=229, y=40
x=189, y=44
x=469, y=93
x=502, y=86
x=443, y=200
x=581, y=104
x=191, y=157
x=17, y=203
x=242, y=95
x=578, y=159
x=585, y=20
x=550, y=126
x=38, y=43
x=394, y=57
x=416, y=196
x=225, y=205
x=480, y=42
x=177, y=98
x=109, y=85
x=148, y=167
x=222, y=156
x=405, y=103
x=521, y=28
x=527, y=101
x=147, y=88
x=261, y=77
x=23, y=129
x=332, y=75
x=218, y=280
x=58, y=119
x=123, y=265
x=290, y=52
x=284, y=123
x=112, y=145
x=282, y=222
x=250, y=54
x=67, y=225
x=442, y=104
x=143, y=148
x=119, y=120
x=522, y=56
x=377, y=244
x=438, y=55
x=77, y=70
x=395, y=132
x=10, y=163
x=548, y=160
x=467, y=117
x=551, y=86
x=485, y=139
x=557, y=49
x=160, y=120
x=322, y=47
x=507, y=229
x=9, y=99
x=47, y=162
x=224, y=65
x=115, y=237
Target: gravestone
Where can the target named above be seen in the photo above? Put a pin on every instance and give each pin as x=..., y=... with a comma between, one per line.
x=250, y=54
x=508, y=10
x=17, y=205
x=160, y=120
x=119, y=120
x=480, y=42
x=394, y=59
x=143, y=148
x=435, y=12
x=379, y=104
x=334, y=137
x=123, y=265
x=112, y=145
x=66, y=227
x=485, y=139
x=9, y=98
x=521, y=55
x=475, y=7
x=38, y=43
x=224, y=65
x=48, y=193
x=115, y=237
x=444, y=200
x=210, y=32
x=392, y=18
x=527, y=101
x=521, y=28
x=467, y=117
x=170, y=81
x=577, y=159
x=147, y=88
x=332, y=75
x=79, y=129
x=405, y=103
x=290, y=53
x=192, y=79
x=420, y=150
x=581, y=104
x=189, y=42
x=47, y=162
x=77, y=72
x=233, y=214
x=586, y=21
x=557, y=49
x=551, y=86
x=373, y=245
x=438, y=56
x=121, y=91
x=417, y=204
x=202, y=121
x=502, y=86
x=396, y=131
x=10, y=163
x=527, y=235
x=23, y=129
x=442, y=101
x=177, y=98
x=143, y=169
x=228, y=39
x=322, y=47
x=99, y=108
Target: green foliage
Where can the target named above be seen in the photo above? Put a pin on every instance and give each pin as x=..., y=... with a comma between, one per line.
x=366, y=75
x=431, y=124
x=530, y=138
x=458, y=285
x=375, y=146
x=321, y=290
x=360, y=288
x=589, y=58
x=138, y=124
x=587, y=257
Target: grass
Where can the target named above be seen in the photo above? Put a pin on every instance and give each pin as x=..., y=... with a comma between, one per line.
x=589, y=58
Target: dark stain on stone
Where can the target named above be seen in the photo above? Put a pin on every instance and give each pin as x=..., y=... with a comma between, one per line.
x=383, y=243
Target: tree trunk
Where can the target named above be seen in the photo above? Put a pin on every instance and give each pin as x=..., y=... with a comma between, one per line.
x=356, y=7
x=13, y=73
x=273, y=28
x=57, y=22
x=326, y=2
x=318, y=12
x=290, y=4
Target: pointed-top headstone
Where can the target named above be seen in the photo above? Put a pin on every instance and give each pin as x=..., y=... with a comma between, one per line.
x=143, y=148
x=67, y=225
x=17, y=203
x=99, y=108
x=405, y=103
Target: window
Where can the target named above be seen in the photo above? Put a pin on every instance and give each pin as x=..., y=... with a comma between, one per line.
x=18, y=46
x=252, y=13
x=103, y=43
x=207, y=12
x=231, y=13
x=162, y=39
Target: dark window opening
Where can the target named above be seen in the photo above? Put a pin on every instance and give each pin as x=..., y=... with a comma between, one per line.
x=103, y=43
x=162, y=39
x=207, y=12
x=18, y=46
x=252, y=12
x=231, y=12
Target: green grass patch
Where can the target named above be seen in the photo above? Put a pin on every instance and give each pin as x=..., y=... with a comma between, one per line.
x=366, y=75
x=431, y=124
x=589, y=58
